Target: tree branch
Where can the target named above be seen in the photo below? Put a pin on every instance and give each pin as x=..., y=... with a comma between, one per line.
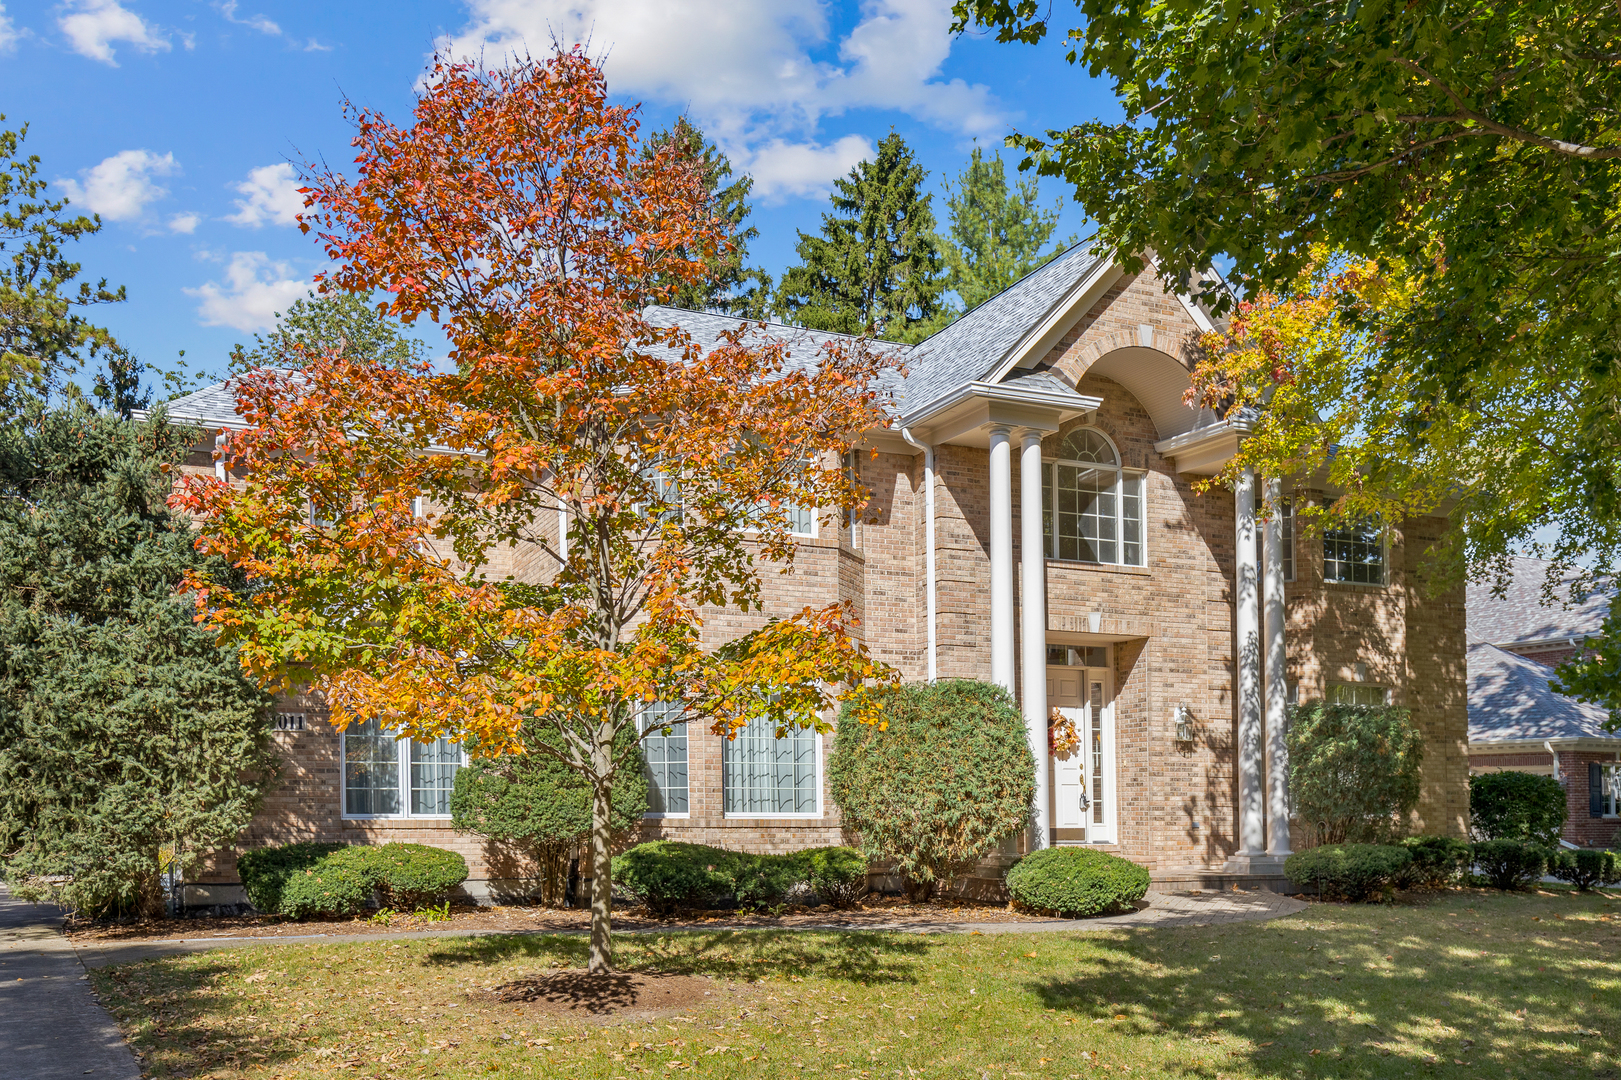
x=1465, y=113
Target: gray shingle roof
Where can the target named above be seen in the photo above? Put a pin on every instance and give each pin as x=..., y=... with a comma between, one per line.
x=1521, y=616
x=211, y=407
x=1510, y=701
x=973, y=346
x=804, y=345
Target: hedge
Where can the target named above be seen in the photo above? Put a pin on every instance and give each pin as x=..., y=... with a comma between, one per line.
x=265, y=871
x=838, y=874
x=300, y=880
x=1516, y=806
x=1510, y=864
x=1438, y=861
x=1076, y=881
x=1586, y=869
x=1351, y=871
x=665, y=874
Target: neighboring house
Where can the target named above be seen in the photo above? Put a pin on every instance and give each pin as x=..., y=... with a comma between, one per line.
x=1033, y=523
x=1517, y=721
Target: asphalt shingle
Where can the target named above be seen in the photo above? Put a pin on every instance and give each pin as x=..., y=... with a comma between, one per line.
x=1510, y=701
x=1521, y=615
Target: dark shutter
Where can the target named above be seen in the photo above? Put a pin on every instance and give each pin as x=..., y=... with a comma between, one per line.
x=1595, y=789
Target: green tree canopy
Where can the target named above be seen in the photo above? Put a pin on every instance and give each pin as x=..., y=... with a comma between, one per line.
x=731, y=287
x=996, y=233
x=44, y=332
x=875, y=267
x=128, y=738
x=340, y=320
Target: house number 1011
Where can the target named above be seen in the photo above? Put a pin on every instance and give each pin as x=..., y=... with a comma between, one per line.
x=289, y=721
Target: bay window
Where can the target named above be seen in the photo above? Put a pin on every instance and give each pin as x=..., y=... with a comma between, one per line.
x=1092, y=509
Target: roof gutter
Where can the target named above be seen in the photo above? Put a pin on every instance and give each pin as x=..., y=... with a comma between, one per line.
x=1000, y=392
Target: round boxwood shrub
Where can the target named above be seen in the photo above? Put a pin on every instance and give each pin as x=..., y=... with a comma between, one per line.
x=342, y=883
x=1586, y=869
x=1438, y=861
x=1516, y=806
x=265, y=871
x=838, y=874
x=939, y=786
x=1076, y=881
x=1349, y=871
x=1511, y=864
x=411, y=875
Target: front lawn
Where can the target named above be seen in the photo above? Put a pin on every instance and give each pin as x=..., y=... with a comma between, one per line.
x=1469, y=985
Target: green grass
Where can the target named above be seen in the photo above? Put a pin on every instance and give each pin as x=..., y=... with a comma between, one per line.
x=1469, y=985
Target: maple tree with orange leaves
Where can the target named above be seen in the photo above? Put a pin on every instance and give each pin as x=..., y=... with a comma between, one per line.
x=399, y=527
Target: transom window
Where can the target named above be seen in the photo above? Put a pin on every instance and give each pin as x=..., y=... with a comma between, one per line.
x=664, y=748
x=1092, y=509
x=1354, y=554
x=771, y=777
x=388, y=777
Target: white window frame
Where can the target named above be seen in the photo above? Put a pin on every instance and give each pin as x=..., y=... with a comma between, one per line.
x=821, y=776
x=402, y=777
x=1384, y=693
x=1384, y=560
x=1049, y=516
x=666, y=816
x=1608, y=771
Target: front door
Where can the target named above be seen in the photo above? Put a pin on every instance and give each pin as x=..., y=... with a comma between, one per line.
x=1080, y=688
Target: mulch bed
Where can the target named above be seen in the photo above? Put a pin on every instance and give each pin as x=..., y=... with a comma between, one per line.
x=577, y=992
x=876, y=910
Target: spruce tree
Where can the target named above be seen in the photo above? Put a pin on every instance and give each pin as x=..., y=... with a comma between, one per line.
x=130, y=741
x=730, y=288
x=995, y=232
x=875, y=268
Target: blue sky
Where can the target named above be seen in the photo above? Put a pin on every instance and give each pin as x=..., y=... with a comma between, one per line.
x=180, y=120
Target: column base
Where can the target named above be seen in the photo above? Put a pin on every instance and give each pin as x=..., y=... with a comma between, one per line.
x=1261, y=865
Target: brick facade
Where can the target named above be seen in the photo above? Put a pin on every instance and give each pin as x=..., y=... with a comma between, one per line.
x=1170, y=622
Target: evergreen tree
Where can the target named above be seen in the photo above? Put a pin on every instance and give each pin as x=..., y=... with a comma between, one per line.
x=130, y=742
x=315, y=324
x=875, y=268
x=996, y=233
x=730, y=288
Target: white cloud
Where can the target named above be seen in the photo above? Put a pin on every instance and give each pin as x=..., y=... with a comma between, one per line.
x=93, y=25
x=261, y=23
x=185, y=223
x=121, y=186
x=271, y=196
x=8, y=31
x=746, y=71
x=784, y=168
x=255, y=289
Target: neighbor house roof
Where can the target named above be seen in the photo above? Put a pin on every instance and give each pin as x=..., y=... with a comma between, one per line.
x=1510, y=701
x=1521, y=616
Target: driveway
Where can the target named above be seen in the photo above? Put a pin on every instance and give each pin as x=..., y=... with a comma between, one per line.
x=51, y=1026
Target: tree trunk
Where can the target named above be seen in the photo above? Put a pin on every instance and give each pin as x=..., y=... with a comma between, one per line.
x=601, y=871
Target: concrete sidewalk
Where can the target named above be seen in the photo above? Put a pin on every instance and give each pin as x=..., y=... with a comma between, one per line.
x=1161, y=910
x=51, y=1026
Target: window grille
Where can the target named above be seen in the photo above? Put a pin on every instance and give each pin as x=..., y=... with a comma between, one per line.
x=388, y=777
x=1357, y=694
x=1355, y=555
x=768, y=776
x=1092, y=509
x=666, y=758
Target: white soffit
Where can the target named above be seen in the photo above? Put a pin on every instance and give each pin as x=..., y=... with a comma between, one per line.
x=1158, y=382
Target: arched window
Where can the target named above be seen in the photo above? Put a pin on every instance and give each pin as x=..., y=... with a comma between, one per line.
x=1092, y=508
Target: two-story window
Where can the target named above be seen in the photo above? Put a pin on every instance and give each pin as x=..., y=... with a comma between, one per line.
x=1355, y=554
x=1092, y=509
x=384, y=776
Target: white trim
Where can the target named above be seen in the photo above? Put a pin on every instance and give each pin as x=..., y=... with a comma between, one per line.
x=1384, y=563
x=1040, y=339
x=1049, y=467
x=821, y=776
x=1012, y=394
x=402, y=760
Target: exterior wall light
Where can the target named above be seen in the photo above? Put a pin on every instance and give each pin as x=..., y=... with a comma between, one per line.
x=1183, y=719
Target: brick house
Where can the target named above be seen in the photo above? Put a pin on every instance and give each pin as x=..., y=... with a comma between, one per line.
x=1517, y=721
x=1033, y=523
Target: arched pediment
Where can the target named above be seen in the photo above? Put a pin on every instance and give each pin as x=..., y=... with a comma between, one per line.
x=1158, y=381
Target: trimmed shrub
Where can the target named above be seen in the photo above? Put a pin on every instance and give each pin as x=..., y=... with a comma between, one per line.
x=1516, y=806
x=759, y=879
x=1586, y=869
x=412, y=875
x=838, y=874
x=1351, y=871
x=666, y=873
x=1510, y=864
x=938, y=788
x=1438, y=861
x=339, y=884
x=1076, y=881
x=538, y=803
x=1353, y=770
x=266, y=870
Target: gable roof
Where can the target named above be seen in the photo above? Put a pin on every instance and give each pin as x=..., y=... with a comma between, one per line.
x=1520, y=616
x=1510, y=701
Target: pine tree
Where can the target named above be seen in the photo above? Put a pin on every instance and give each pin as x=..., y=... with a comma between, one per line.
x=129, y=740
x=996, y=232
x=875, y=268
x=731, y=288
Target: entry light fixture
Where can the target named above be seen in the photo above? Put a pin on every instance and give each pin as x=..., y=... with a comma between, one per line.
x=1183, y=719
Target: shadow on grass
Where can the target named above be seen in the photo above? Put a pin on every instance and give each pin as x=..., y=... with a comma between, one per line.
x=1357, y=998
x=728, y=954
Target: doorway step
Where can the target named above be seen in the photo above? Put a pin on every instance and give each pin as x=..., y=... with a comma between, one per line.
x=1200, y=879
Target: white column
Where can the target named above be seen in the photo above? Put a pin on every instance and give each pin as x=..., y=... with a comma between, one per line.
x=1001, y=559
x=1277, y=659
x=1251, y=830
x=1033, y=632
